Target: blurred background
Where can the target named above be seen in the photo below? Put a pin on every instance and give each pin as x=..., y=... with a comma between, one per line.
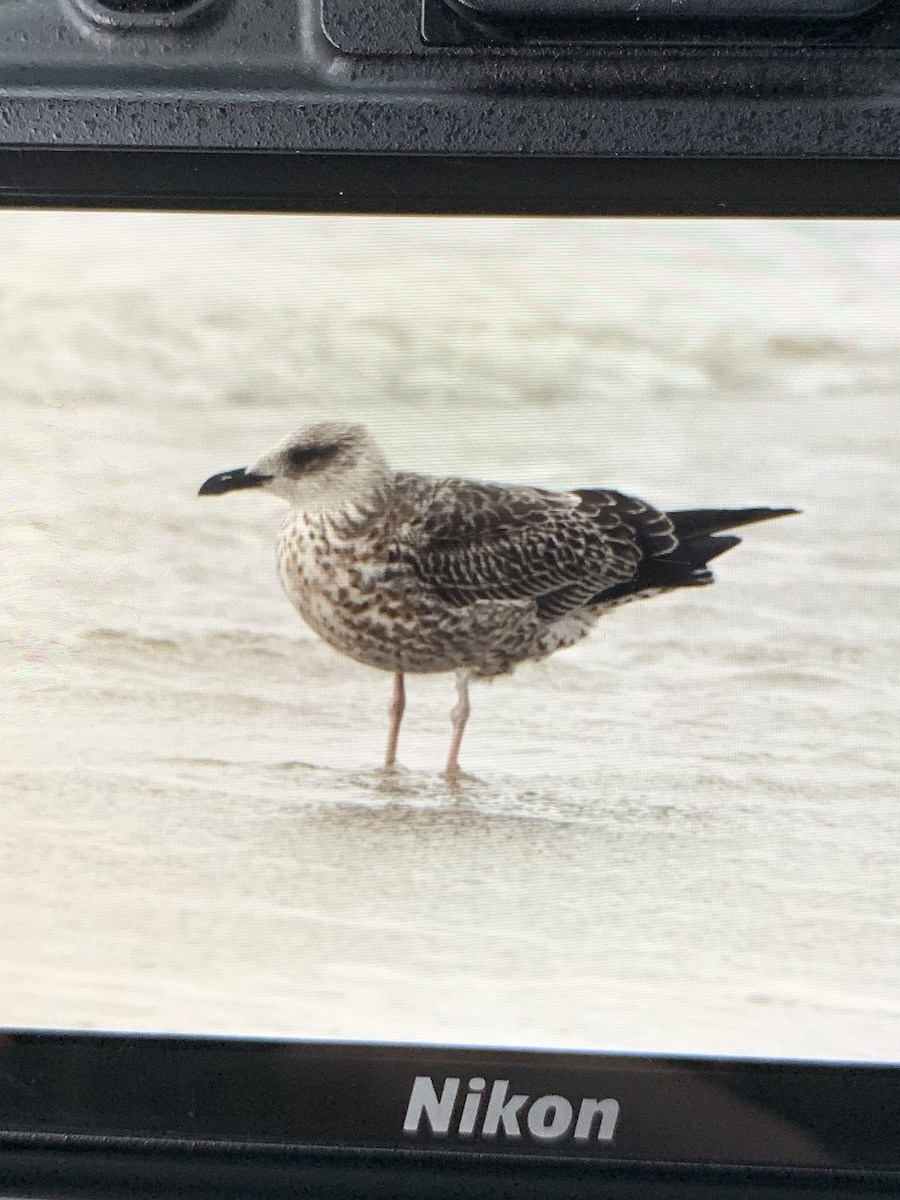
x=682, y=835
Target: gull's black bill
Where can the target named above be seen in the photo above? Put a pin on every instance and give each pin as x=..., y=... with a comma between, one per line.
x=230, y=481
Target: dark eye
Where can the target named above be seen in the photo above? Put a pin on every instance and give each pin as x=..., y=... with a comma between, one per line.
x=302, y=458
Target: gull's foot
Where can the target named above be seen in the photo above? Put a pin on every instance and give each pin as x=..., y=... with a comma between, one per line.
x=392, y=779
x=455, y=776
x=389, y=770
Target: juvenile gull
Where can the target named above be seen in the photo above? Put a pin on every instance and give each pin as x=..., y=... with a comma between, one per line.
x=410, y=573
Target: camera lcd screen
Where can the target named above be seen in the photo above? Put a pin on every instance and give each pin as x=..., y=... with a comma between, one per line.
x=524, y=674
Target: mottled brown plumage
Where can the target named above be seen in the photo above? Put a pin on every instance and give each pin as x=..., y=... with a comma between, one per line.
x=409, y=573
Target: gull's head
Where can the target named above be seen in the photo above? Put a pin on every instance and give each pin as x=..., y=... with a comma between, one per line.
x=324, y=466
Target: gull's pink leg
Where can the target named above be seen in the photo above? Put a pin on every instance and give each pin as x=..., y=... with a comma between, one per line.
x=395, y=712
x=458, y=716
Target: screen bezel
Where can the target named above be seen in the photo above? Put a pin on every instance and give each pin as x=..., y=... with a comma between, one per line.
x=214, y=1102
x=534, y=185
x=47, y=1076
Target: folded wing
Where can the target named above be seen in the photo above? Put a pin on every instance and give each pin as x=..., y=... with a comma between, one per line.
x=481, y=542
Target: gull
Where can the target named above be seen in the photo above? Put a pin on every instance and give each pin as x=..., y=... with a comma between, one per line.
x=414, y=574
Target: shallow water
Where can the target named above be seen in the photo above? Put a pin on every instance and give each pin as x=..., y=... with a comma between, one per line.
x=681, y=835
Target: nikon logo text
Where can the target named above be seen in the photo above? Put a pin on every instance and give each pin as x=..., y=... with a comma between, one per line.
x=485, y=1112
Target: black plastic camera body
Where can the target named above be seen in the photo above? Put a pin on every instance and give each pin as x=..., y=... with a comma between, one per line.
x=605, y=107
x=649, y=106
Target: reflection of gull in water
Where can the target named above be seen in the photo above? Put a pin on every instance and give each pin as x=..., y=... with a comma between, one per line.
x=414, y=574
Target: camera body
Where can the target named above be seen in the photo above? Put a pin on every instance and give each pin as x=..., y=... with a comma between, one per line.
x=651, y=107
x=432, y=105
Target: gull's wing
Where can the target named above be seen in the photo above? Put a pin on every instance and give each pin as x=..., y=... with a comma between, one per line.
x=474, y=541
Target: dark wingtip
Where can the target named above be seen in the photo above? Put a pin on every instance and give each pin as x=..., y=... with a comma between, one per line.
x=694, y=522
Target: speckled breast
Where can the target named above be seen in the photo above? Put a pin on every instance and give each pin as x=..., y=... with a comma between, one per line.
x=339, y=579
